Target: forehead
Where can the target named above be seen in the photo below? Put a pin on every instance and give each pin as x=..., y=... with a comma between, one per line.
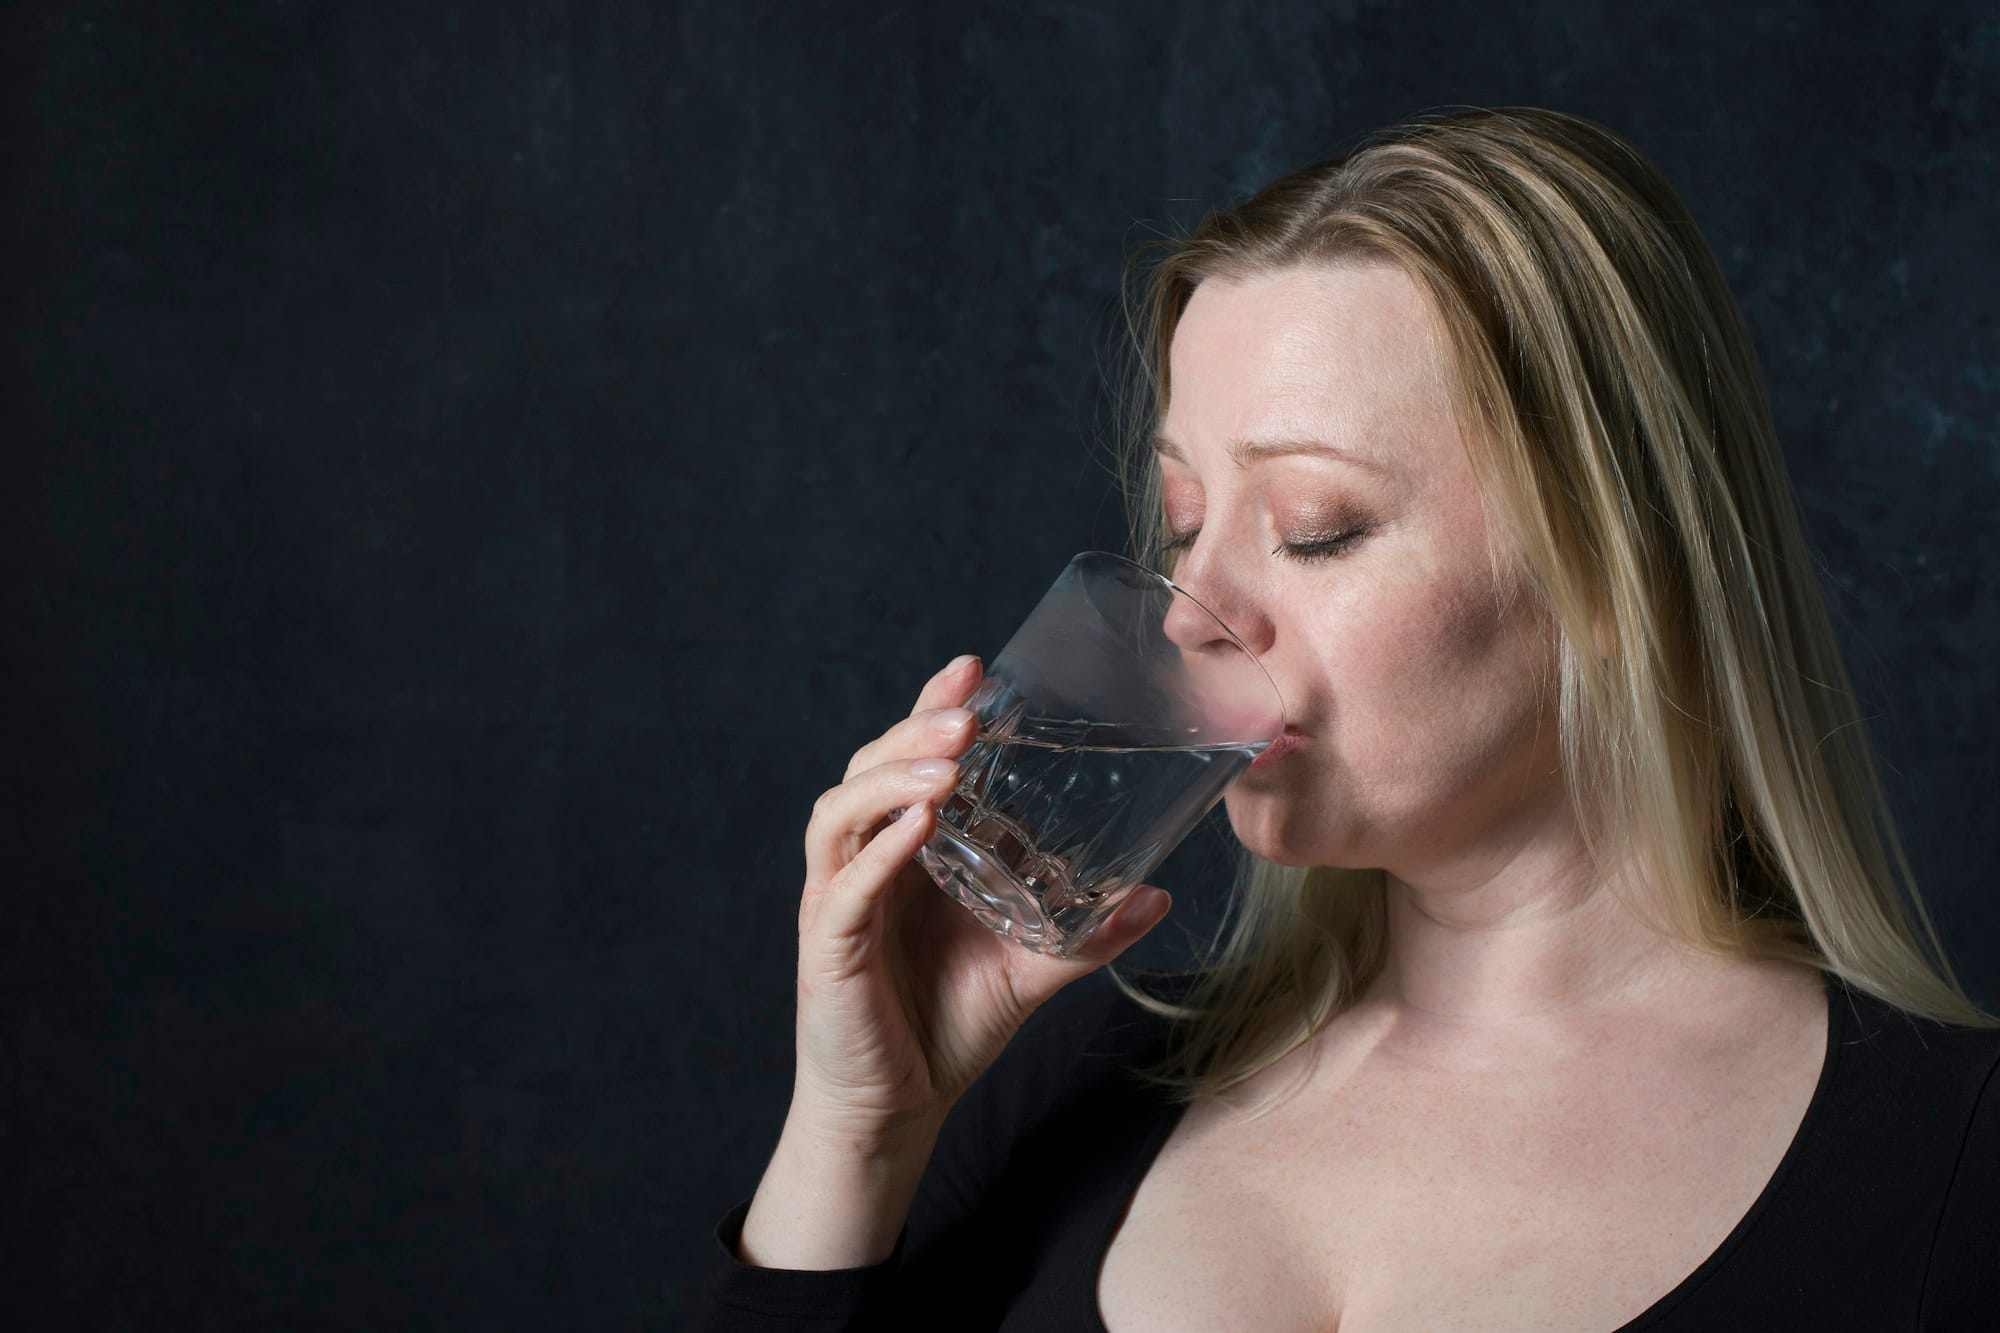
x=1349, y=355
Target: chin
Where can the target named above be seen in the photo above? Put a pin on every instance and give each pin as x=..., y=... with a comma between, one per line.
x=1275, y=831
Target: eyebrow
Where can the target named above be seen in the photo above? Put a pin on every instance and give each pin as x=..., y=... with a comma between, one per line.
x=1245, y=452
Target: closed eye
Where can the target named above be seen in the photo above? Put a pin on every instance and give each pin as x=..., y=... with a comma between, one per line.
x=1322, y=548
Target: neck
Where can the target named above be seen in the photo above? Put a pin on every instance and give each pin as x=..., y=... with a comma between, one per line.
x=1540, y=936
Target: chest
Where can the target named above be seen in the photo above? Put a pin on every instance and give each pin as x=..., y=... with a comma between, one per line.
x=1406, y=1200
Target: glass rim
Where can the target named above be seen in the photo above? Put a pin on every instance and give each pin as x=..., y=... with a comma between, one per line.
x=1284, y=709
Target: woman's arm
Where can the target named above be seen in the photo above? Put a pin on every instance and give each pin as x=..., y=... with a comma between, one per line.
x=954, y=1228
x=816, y=1247
x=829, y=1201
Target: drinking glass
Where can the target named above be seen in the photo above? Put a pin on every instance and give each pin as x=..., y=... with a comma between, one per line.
x=1112, y=721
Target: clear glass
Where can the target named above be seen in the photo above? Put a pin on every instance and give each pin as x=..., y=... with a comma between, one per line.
x=1112, y=721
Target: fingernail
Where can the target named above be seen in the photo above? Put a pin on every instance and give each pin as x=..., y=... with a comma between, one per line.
x=962, y=661
x=950, y=720
x=1146, y=914
x=933, y=768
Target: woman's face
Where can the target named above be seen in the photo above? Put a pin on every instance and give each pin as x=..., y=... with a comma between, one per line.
x=1416, y=694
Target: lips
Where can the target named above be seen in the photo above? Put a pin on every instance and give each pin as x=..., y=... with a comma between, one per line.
x=1279, y=747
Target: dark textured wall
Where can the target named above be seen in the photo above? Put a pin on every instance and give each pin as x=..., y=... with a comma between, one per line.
x=478, y=469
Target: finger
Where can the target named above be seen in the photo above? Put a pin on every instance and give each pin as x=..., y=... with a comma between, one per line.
x=846, y=817
x=1135, y=918
x=909, y=738
x=937, y=732
x=953, y=685
x=849, y=912
x=1144, y=908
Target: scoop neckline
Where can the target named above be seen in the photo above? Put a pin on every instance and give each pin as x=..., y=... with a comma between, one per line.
x=1838, y=1019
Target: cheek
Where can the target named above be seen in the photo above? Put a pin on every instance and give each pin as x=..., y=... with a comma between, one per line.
x=1433, y=672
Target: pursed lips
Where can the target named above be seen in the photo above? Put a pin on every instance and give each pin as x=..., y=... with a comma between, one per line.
x=1282, y=745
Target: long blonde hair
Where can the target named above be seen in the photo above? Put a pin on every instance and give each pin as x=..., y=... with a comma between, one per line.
x=1623, y=446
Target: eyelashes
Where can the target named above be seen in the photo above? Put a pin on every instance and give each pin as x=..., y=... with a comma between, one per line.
x=1323, y=548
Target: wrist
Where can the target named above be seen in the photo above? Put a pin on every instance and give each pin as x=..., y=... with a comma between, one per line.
x=862, y=1135
x=833, y=1199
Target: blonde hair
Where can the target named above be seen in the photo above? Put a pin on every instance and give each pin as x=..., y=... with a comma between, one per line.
x=1618, y=430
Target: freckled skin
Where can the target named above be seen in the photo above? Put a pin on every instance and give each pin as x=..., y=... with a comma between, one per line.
x=1433, y=748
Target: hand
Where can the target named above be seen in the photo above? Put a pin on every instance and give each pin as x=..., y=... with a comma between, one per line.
x=903, y=997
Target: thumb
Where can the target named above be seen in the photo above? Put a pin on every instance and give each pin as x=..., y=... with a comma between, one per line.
x=1140, y=912
x=1143, y=909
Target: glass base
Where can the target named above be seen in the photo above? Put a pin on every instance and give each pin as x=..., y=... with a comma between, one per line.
x=1002, y=902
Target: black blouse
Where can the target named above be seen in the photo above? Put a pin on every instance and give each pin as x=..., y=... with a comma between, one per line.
x=1884, y=1212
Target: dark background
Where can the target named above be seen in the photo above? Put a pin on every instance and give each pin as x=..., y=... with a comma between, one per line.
x=479, y=469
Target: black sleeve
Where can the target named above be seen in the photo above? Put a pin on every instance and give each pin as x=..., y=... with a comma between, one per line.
x=736, y=1297
x=1962, y=1289
x=952, y=1256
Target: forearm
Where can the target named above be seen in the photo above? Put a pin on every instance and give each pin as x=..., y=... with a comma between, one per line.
x=829, y=1201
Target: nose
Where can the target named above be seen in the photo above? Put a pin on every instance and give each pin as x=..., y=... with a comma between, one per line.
x=1233, y=697
x=1206, y=595
x=1193, y=629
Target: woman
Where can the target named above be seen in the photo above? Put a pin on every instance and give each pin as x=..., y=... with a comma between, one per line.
x=1576, y=980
